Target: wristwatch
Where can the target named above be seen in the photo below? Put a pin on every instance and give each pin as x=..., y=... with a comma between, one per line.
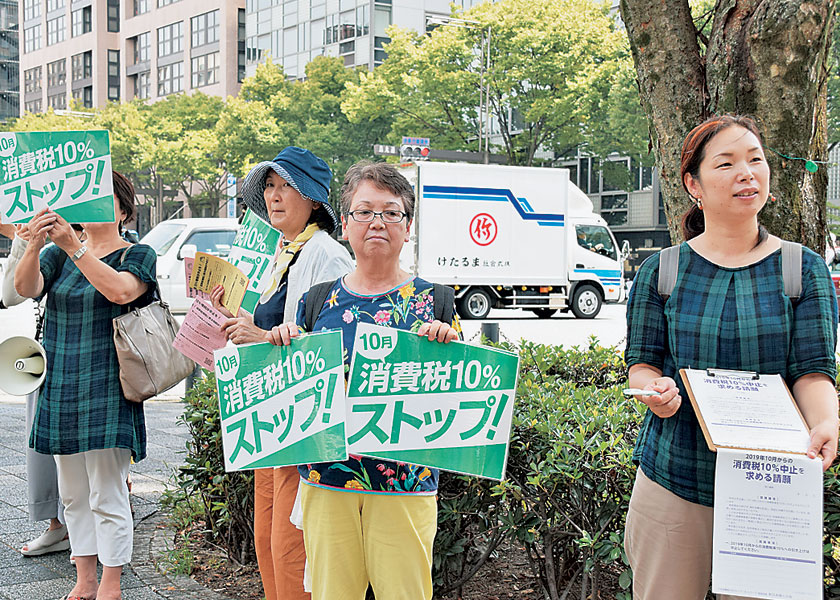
x=78, y=253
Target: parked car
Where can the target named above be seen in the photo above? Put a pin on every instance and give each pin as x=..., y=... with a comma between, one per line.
x=178, y=238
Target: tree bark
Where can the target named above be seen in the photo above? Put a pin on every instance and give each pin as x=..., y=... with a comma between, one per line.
x=765, y=58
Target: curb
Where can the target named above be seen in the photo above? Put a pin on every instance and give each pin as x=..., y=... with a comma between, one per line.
x=151, y=541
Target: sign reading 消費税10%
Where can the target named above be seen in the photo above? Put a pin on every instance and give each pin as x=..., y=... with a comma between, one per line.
x=252, y=253
x=412, y=400
x=282, y=405
x=66, y=171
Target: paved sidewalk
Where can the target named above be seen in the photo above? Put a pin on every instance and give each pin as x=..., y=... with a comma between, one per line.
x=50, y=577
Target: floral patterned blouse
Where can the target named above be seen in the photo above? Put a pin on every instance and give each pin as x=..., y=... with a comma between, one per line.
x=406, y=307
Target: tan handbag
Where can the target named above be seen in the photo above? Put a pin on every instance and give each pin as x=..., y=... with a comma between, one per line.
x=149, y=365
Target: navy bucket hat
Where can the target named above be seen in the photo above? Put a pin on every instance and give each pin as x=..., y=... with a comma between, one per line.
x=304, y=171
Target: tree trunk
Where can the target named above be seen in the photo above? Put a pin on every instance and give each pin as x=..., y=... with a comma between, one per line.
x=766, y=58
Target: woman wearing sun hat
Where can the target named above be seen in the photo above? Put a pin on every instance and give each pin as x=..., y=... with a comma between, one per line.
x=290, y=192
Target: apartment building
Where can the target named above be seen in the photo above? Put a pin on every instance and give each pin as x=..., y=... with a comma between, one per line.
x=9, y=61
x=98, y=51
x=293, y=32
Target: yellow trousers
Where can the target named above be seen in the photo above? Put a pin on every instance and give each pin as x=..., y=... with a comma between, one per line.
x=354, y=538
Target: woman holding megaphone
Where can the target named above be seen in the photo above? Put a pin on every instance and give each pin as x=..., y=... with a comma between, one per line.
x=82, y=416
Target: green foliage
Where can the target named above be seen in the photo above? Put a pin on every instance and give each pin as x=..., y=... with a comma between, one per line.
x=224, y=501
x=179, y=560
x=831, y=539
x=555, y=66
x=272, y=112
x=569, y=476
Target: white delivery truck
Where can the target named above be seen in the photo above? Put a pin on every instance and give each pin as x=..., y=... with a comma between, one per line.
x=512, y=237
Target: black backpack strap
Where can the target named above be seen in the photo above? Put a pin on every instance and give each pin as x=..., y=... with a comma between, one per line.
x=314, y=302
x=792, y=269
x=669, y=264
x=444, y=303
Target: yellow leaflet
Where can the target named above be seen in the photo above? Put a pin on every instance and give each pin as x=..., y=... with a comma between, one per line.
x=210, y=271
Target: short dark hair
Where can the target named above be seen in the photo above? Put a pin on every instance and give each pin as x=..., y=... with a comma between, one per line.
x=383, y=176
x=124, y=192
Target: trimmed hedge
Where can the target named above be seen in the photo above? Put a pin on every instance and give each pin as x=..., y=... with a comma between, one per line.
x=569, y=479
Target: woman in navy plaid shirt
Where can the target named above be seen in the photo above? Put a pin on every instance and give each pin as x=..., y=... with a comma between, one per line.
x=727, y=310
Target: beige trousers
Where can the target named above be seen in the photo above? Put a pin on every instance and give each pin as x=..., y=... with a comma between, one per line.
x=668, y=541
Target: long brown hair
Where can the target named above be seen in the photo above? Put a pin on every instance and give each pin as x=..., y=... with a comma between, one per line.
x=693, y=153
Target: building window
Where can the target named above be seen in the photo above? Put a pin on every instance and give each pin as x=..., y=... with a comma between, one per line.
x=32, y=38
x=170, y=79
x=113, y=15
x=31, y=9
x=113, y=74
x=362, y=20
x=240, y=43
x=379, y=54
x=81, y=65
x=614, y=209
x=57, y=101
x=205, y=70
x=165, y=2
x=170, y=39
x=56, y=73
x=143, y=86
x=33, y=106
x=317, y=9
x=142, y=48
x=32, y=80
x=55, y=30
x=331, y=30
x=81, y=21
x=205, y=29
x=54, y=5
x=85, y=96
x=141, y=7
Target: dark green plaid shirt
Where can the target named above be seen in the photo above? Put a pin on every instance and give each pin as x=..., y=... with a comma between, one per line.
x=81, y=406
x=727, y=318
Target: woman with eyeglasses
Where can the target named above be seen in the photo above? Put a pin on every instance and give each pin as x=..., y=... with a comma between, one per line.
x=291, y=192
x=367, y=520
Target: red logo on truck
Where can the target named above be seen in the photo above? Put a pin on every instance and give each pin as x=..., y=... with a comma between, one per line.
x=483, y=229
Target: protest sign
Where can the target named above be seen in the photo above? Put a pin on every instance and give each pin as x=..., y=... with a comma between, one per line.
x=253, y=251
x=441, y=405
x=66, y=171
x=282, y=405
x=210, y=271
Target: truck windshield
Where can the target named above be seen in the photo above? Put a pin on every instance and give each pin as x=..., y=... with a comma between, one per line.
x=597, y=239
x=163, y=236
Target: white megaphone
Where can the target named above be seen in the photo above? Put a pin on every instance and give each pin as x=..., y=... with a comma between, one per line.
x=23, y=365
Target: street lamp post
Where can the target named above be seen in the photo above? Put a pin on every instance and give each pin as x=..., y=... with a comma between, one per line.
x=484, y=91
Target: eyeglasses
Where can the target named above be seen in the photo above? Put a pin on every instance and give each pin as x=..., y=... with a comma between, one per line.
x=387, y=216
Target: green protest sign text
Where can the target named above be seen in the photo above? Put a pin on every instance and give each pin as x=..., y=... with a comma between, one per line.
x=282, y=405
x=442, y=405
x=66, y=171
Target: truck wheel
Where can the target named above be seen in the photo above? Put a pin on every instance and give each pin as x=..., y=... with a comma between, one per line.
x=544, y=313
x=586, y=302
x=475, y=304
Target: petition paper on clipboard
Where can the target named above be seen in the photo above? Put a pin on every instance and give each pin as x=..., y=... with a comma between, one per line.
x=767, y=539
x=742, y=410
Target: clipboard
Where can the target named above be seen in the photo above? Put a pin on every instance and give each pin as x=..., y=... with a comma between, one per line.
x=794, y=417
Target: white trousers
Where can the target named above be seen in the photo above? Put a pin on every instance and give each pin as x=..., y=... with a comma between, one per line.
x=96, y=506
